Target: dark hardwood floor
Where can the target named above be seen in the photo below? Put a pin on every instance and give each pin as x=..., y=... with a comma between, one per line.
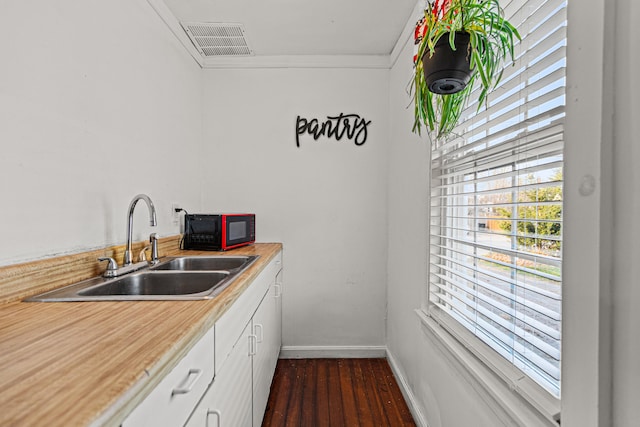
x=335, y=392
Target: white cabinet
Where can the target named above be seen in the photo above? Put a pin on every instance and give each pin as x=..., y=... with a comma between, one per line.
x=248, y=339
x=267, y=331
x=228, y=400
x=171, y=402
x=243, y=346
x=230, y=324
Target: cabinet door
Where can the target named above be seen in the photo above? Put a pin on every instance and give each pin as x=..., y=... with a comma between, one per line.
x=266, y=328
x=227, y=403
x=230, y=324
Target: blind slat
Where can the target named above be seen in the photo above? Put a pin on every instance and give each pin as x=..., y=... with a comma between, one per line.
x=504, y=341
x=506, y=175
x=508, y=351
x=436, y=216
x=520, y=301
x=521, y=134
x=521, y=76
x=467, y=192
x=515, y=76
x=506, y=116
x=547, y=260
x=505, y=234
x=542, y=136
x=520, y=287
x=510, y=326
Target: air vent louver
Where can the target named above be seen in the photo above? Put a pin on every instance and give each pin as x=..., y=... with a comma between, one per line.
x=216, y=39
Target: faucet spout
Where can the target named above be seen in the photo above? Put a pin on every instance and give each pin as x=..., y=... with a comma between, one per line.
x=152, y=222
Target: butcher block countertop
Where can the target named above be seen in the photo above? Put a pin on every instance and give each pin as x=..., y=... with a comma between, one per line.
x=91, y=363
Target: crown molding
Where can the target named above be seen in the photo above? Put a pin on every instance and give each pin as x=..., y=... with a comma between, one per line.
x=300, y=61
x=174, y=26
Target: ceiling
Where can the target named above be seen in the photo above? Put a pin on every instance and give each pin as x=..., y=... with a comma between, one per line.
x=306, y=27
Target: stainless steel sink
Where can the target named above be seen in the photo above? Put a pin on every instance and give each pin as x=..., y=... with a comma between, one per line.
x=203, y=263
x=158, y=283
x=182, y=278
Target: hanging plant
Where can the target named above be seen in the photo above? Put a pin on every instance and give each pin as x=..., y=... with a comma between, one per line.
x=468, y=40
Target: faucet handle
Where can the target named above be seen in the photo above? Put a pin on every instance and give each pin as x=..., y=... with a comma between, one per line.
x=143, y=254
x=112, y=267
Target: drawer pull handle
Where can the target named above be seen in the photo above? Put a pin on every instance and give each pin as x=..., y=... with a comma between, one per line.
x=188, y=385
x=260, y=337
x=216, y=413
x=252, y=344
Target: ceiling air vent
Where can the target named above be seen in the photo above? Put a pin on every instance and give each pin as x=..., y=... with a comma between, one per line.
x=215, y=39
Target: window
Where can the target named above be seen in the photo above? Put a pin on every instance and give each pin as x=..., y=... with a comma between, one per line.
x=496, y=204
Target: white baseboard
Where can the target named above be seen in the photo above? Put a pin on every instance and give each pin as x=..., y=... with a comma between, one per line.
x=409, y=397
x=331, y=352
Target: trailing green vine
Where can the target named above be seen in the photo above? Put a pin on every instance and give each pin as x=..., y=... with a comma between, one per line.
x=491, y=42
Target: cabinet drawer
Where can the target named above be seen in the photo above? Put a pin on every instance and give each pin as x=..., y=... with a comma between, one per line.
x=172, y=401
x=230, y=325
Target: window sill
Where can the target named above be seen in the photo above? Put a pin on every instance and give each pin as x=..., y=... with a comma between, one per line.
x=514, y=397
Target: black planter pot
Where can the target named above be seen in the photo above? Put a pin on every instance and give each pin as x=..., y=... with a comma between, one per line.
x=448, y=71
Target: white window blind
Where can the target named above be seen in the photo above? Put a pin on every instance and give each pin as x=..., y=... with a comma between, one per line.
x=496, y=204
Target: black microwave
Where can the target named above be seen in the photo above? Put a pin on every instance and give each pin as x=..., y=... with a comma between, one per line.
x=218, y=232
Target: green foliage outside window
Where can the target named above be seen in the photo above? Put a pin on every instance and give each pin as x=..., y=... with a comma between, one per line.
x=531, y=234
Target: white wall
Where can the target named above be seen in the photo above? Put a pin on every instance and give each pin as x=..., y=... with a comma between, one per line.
x=326, y=201
x=98, y=102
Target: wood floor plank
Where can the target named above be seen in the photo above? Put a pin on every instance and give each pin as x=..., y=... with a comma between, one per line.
x=335, y=401
x=398, y=399
x=393, y=403
x=279, y=397
x=372, y=383
x=336, y=393
x=365, y=410
x=348, y=391
x=309, y=394
x=294, y=408
x=322, y=392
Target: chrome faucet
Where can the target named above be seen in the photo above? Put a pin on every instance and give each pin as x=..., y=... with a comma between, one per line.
x=152, y=222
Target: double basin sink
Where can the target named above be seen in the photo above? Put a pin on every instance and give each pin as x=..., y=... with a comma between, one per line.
x=174, y=278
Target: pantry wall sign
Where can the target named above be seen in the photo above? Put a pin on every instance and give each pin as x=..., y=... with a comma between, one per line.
x=352, y=127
